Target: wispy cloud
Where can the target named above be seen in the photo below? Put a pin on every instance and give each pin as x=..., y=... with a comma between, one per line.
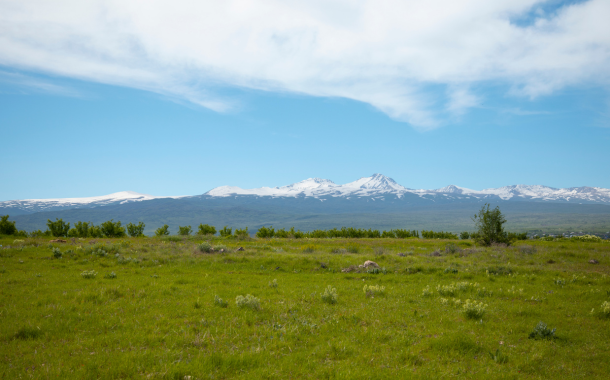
x=31, y=84
x=382, y=52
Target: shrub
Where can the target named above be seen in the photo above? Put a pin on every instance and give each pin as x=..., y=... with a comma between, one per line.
x=373, y=290
x=426, y=292
x=162, y=231
x=88, y=274
x=248, y=301
x=57, y=253
x=438, y=235
x=112, y=230
x=474, y=309
x=604, y=310
x=95, y=232
x=541, y=331
x=452, y=248
x=226, y=232
x=451, y=270
x=242, y=233
x=220, y=247
x=81, y=229
x=330, y=295
x=205, y=247
x=489, y=224
x=110, y=275
x=464, y=235
x=205, y=229
x=265, y=233
x=184, y=231
x=58, y=228
x=6, y=227
x=273, y=284
x=220, y=302
x=136, y=230
x=587, y=238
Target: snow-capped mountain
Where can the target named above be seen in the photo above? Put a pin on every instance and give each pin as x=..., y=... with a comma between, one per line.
x=53, y=204
x=366, y=189
x=380, y=185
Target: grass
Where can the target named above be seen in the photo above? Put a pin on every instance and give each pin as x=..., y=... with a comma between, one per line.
x=171, y=311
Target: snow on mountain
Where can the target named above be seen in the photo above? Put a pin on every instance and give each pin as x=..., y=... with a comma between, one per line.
x=35, y=205
x=315, y=187
x=375, y=187
x=378, y=185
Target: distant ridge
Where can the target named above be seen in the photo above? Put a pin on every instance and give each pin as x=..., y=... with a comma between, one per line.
x=378, y=184
x=376, y=187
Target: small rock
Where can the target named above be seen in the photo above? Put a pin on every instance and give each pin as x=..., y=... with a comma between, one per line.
x=401, y=254
x=436, y=253
x=221, y=251
x=593, y=261
x=370, y=263
x=323, y=266
x=240, y=249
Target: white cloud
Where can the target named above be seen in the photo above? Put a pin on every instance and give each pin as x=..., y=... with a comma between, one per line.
x=382, y=52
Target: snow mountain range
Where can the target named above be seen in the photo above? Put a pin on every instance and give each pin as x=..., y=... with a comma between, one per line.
x=374, y=188
x=382, y=186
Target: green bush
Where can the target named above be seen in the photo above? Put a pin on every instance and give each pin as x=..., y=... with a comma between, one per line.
x=111, y=229
x=464, y=235
x=265, y=233
x=226, y=232
x=242, y=233
x=136, y=230
x=162, y=231
x=6, y=227
x=88, y=274
x=330, y=295
x=220, y=302
x=490, y=226
x=248, y=301
x=541, y=331
x=205, y=229
x=473, y=309
x=205, y=247
x=58, y=228
x=95, y=232
x=184, y=231
x=57, y=253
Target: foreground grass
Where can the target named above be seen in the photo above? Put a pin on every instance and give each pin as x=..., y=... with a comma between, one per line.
x=158, y=317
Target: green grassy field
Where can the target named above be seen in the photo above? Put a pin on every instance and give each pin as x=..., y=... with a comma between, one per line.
x=163, y=314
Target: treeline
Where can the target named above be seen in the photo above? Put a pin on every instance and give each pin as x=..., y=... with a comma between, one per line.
x=112, y=229
x=344, y=232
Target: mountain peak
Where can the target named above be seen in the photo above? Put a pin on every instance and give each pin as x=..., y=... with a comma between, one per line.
x=375, y=182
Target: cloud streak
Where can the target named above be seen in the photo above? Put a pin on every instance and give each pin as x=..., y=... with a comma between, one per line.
x=385, y=53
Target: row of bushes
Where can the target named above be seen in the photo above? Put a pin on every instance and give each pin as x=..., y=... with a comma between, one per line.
x=344, y=232
x=111, y=229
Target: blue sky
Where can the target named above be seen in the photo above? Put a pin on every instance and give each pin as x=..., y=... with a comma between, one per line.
x=528, y=106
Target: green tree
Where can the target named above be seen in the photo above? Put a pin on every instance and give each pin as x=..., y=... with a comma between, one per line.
x=136, y=230
x=162, y=231
x=82, y=229
x=226, y=232
x=489, y=224
x=205, y=229
x=184, y=231
x=6, y=227
x=58, y=228
x=111, y=229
